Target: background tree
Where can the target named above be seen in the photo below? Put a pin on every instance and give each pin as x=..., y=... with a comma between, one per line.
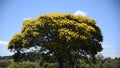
x=65, y=36
x=111, y=63
x=99, y=60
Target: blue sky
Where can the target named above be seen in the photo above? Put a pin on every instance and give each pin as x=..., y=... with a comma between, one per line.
x=104, y=12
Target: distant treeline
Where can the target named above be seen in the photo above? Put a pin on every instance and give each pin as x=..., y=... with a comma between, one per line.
x=50, y=62
x=5, y=57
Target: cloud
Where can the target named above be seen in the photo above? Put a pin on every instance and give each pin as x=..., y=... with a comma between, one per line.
x=80, y=13
x=106, y=46
x=4, y=49
x=28, y=18
x=3, y=43
x=109, y=51
x=112, y=51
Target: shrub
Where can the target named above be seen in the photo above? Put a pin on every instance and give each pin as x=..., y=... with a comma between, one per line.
x=50, y=65
x=4, y=63
x=24, y=65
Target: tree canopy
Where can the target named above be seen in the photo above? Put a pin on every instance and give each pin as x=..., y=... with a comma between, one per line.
x=64, y=35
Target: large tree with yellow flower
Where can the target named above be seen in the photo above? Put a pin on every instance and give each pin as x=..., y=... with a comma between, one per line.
x=65, y=36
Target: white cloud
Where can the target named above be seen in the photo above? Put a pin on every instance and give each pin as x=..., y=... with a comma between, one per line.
x=28, y=18
x=106, y=46
x=3, y=43
x=109, y=51
x=112, y=51
x=4, y=49
x=79, y=12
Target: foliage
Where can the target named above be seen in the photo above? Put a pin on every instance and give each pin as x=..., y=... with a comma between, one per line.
x=50, y=65
x=112, y=64
x=65, y=36
x=4, y=63
x=24, y=65
x=81, y=63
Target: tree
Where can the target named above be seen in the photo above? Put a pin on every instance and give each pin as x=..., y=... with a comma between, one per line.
x=111, y=63
x=65, y=36
x=99, y=61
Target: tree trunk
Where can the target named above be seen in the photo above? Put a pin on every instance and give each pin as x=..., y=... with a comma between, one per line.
x=60, y=61
x=72, y=62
